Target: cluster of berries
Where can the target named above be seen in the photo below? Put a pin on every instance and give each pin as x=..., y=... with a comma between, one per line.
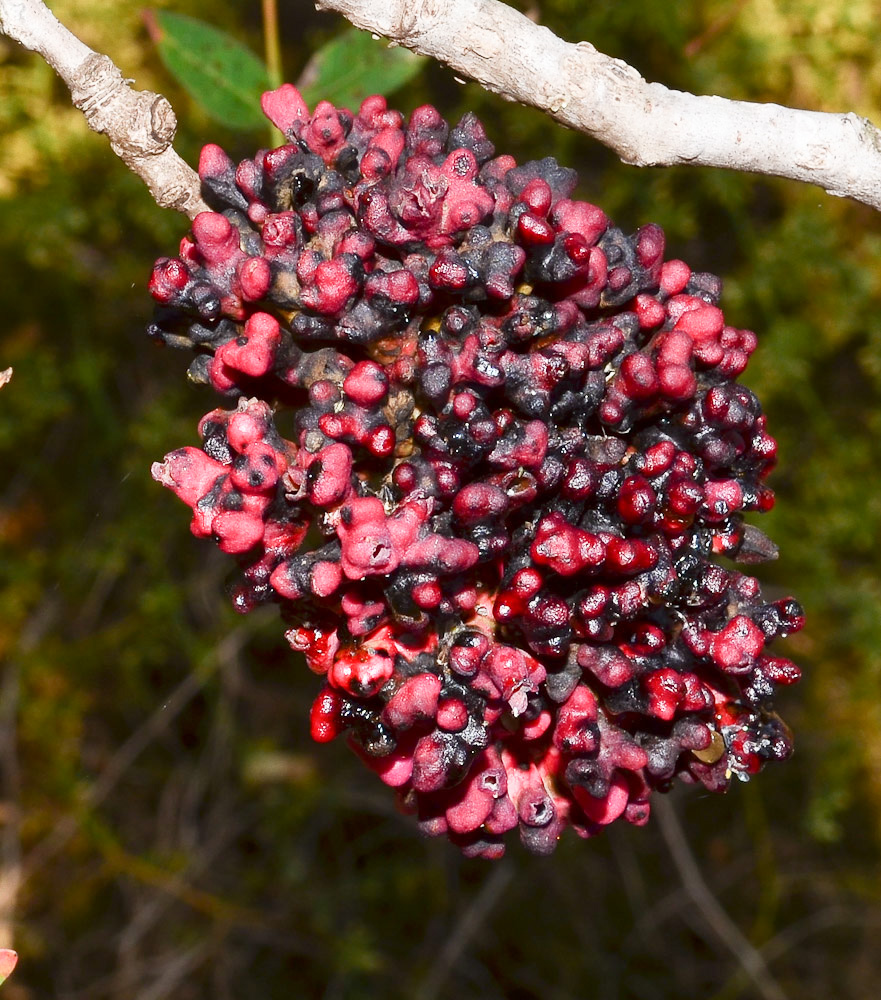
x=482, y=450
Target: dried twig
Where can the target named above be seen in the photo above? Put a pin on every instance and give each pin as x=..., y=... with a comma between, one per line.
x=46, y=849
x=646, y=124
x=723, y=927
x=140, y=125
x=175, y=971
x=466, y=928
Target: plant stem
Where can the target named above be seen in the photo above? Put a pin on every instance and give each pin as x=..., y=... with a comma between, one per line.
x=272, y=42
x=272, y=56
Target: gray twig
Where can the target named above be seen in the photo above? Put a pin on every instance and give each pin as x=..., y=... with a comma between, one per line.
x=140, y=125
x=645, y=123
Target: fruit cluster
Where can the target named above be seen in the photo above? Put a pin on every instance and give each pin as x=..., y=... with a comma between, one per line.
x=482, y=451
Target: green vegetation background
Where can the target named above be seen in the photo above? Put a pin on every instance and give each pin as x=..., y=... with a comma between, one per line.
x=166, y=827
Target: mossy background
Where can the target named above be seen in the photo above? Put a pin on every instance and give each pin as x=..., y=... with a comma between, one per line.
x=167, y=829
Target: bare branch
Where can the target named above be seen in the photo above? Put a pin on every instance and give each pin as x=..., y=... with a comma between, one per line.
x=140, y=125
x=646, y=124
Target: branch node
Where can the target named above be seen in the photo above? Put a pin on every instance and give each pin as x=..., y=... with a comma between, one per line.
x=95, y=84
x=163, y=121
x=139, y=123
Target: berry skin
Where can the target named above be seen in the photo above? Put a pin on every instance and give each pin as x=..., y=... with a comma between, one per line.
x=514, y=448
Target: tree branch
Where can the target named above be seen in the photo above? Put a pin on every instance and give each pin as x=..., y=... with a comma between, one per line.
x=140, y=125
x=646, y=124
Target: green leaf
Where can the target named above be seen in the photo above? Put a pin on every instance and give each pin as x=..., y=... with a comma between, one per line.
x=218, y=72
x=355, y=65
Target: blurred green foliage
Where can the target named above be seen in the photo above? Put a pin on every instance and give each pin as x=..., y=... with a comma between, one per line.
x=175, y=832
x=224, y=76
